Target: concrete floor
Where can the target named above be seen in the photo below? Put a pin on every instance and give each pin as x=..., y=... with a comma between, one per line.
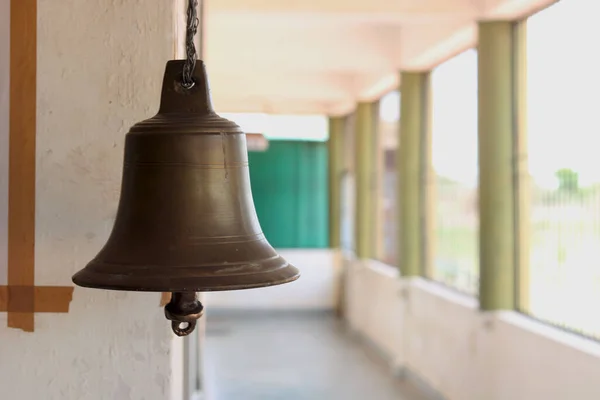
x=293, y=357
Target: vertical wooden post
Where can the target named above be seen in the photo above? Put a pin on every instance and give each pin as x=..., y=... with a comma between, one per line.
x=21, y=192
x=21, y=298
x=498, y=142
x=336, y=166
x=365, y=184
x=413, y=172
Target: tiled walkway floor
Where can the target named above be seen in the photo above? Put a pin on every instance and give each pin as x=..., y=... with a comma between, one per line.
x=293, y=357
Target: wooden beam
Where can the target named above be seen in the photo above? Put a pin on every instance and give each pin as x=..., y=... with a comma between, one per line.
x=22, y=160
x=46, y=299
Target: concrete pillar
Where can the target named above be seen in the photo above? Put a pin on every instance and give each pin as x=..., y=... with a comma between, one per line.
x=498, y=133
x=413, y=168
x=336, y=168
x=365, y=184
x=523, y=184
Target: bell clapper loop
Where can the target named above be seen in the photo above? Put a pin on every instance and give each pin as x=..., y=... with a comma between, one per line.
x=183, y=328
x=183, y=310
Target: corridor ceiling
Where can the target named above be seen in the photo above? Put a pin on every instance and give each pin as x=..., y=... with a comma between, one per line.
x=324, y=56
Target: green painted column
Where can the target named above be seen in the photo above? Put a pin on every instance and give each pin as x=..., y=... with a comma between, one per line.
x=336, y=167
x=365, y=184
x=413, y=165
x=523, y=188
x=498, y=44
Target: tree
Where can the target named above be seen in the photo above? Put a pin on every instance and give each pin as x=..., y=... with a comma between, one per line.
x=568, y=180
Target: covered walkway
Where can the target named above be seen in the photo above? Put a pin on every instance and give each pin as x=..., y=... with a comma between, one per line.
x=295, y=356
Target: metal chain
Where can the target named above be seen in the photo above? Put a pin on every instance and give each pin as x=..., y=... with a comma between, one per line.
x=190, y=47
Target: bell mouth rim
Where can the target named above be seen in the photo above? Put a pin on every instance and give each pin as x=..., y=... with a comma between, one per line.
x=207, y=287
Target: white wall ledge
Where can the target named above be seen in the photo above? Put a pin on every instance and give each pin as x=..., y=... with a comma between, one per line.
x=383, y=268
x=440, y=335
x=547, y=331
x=447, y=293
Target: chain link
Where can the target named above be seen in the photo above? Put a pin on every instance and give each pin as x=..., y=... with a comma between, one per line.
x=190, y=47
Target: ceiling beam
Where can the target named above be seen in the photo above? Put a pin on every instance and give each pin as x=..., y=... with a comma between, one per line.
x=286, y=106
x=436, y=44
x=296, y=45
x=405, y=7
x=513, y=9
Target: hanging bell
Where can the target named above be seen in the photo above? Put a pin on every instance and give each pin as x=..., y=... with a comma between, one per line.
x=186, y=221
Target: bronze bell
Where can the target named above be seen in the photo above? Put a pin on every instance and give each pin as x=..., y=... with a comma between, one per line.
x=186, y=221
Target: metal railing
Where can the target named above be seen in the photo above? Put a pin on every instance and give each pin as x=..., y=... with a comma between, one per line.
x=456, y=261
x=564, y=271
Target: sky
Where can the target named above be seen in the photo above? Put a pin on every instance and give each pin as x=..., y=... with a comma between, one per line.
x=454, y=120
x=562, y=104
x=563, y=86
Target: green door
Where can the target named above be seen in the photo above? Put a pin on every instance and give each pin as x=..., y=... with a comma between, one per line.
x=289, y=186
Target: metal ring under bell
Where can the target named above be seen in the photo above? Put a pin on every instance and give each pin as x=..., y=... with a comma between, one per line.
x=186, y=330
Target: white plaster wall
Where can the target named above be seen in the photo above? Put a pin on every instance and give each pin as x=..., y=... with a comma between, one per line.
x=441, y=337
x=534, y=361
x=373, y=310
x=100, y=65
x=442, y=340
x=317, y=288
x=177, y=369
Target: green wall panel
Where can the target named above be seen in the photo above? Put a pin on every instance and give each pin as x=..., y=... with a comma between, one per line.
x=289, y=187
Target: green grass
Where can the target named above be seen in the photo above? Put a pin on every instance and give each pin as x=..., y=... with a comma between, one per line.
x=564, y=255
x=457, y=257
